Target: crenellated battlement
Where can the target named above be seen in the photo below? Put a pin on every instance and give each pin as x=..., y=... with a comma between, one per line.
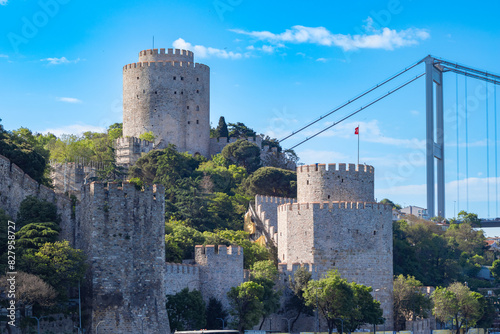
x=165, y=63
x=125, y=141
x=169, y=55
x=185, y=269
x=110, y=190
x=335, y=205
x=211, y=250
x=341, y=167
x=259, y=199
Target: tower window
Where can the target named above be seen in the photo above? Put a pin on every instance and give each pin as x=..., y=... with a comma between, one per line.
x=374, y=232
x=197, y=79
x=175, y=92
x=307, y=182
x=197, y=91
x=182, y=78
x=328, y=196
x=143, y=91
x=156, y=92
x=197, y=122
x=137, y=78
x=175, y=78
x=197, y=108
x=182, y=93
x=189, y=122
x=188, y=107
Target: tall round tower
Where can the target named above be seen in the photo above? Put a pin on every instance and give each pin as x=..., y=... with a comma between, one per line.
x=168, y=94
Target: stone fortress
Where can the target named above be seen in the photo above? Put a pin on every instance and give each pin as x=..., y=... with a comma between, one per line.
x=333, y=224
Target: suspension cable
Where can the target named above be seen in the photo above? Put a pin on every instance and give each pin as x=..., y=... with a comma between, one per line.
x=351, y=101
x=360, y=109
x=496, y=152
x=466, y=147
x=487, y=152
x=458, y=147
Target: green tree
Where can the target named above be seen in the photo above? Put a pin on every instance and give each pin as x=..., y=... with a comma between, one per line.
x=366, y=309
x=469, y=218
x=4, y=219
x=333, y=297
x=458, y=304
x=215, y=312
x=34, y=210
x=180, y=241
x=409, y=301
x=265, y=273
x=115, y=131
x=391, y=203
x=33, y=236
x=221, y=130
x=149, y=136
x=246, y=305
x=272, y=181
x=337, y=299
x=243, y=153
x=22, y=149
x=240, y=130
x=58, y=264
x=186, y=310
x=495, y=270
x=296, y=301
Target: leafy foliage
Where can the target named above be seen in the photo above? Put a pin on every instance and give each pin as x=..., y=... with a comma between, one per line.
x=272, y=181
x=34, y=210
x=457, y=303
x=58, y=264
x=186, y=310
x=246, y=305
x=221, y=130
x=30, y=290
x=391, y=203
x=266, y=274
x=409, y=301
x=335, y=298
x=436, y=257
x=26, y=150
x=243, y=153
x=33, y=236
x=297, y=301
x=240, y=130
x=149, y=136
x=215, y=312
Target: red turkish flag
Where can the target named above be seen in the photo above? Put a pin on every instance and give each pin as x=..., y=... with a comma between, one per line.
x=356, y=131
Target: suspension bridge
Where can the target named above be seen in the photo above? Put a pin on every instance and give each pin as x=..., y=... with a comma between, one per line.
x=435, y=69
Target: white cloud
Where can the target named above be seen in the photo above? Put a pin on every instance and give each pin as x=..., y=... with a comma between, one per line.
x=384, y=38
x=68, y=100
x=3, y=56
x=415, y=112
x=59, y=61
x=3, y=2
x=204, y=51
x=322, y=60
x=74, y=129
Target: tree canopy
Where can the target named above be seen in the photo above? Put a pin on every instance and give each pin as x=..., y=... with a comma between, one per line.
x=186, y=310
x=246, y=305
x=410, y=302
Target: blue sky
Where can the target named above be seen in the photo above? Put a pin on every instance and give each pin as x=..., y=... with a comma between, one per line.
x=274, y=66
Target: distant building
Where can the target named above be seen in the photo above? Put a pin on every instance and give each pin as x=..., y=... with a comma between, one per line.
x=416, y=211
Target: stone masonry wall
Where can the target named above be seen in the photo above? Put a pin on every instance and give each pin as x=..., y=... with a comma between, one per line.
x=316, y=183
x=179, y=276
x=169, y=95
x=220, y=269
x=129, y=149
x=122, y=234
x=266, y=207
x=354, y=238
x=69, y=177
x=15, y=186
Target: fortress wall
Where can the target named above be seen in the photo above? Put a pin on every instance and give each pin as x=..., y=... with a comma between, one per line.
x=354, y=238
x=129, y=149
x=218, y=144
x=169, y=96
x=340, y=182
x=15, y=186
x=266, y=207
x=220, y=269
x=122, y=234
x=179, y=276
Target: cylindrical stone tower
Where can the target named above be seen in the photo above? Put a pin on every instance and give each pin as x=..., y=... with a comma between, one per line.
x=168, y=94
x=316, y=184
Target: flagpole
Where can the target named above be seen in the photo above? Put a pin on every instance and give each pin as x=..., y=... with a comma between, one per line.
x=358, y=144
